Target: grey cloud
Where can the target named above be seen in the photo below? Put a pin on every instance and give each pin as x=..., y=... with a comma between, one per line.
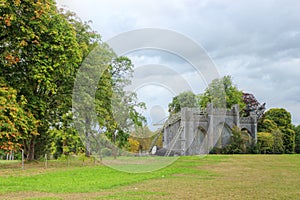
x=257, y=42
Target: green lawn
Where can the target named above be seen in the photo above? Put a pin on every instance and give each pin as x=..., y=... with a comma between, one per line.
x=211, y=177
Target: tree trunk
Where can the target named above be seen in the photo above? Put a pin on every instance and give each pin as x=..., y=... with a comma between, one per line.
x=87, y=137
x=30, y=152
x=115, y=151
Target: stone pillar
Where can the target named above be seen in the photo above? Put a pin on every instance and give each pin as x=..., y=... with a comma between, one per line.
x=210, y=131
x=187, y=121
x=165, y=133
x=184, y=121
x=236, y=114
x=254, y=126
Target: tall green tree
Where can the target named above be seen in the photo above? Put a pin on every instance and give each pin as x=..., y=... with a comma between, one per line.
x=124, y=104
x=115, y=73
x=283, y=121
x=223, y=94
x=297, y=138
x=278, y=147
x=88, y=41
x=184, y=99
x=102, y=79
x=91, y=97
x=269, y=126
x=65, y=138
x=265, y=142
x=16, y=125
x=266, y=125
x=41, y=51
x=39, y=57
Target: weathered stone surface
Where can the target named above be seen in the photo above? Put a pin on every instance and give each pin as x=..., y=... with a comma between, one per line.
x=195, y=131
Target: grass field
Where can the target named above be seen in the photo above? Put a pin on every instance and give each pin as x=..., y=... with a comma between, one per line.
x=210, y=177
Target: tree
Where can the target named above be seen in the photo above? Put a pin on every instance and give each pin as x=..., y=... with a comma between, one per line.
x=96, y=62
x=39, y=58
x=222, y=93
x=16, y=125
x=266, y=125
x=65, y=139
x=116, y=109
x=252, y=105
x=133, y=145
x=125, y=102
x=184, y=99
x=238, y=142
x=283, y=121
x=41, y=51
x=278, y=147
x=297, y=138
x=91, y=96
x=146, y=138
x=265, y=142
x=269, y=126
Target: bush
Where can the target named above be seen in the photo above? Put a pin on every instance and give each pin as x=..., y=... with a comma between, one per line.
x=297, y=139
x=278, y=147
x=265, y=142
x=240, y=142
x=106, y=152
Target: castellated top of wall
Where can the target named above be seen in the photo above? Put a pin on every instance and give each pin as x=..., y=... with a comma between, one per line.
x=202, y=114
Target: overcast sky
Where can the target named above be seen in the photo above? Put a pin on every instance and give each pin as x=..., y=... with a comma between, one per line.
x=257, y=42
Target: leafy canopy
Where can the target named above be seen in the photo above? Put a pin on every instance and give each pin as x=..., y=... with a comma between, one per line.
x=184, y=99
x=283, y=121
x=16, y=125
x=223, y=94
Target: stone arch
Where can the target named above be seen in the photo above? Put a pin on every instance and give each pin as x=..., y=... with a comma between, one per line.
x=223, y=133
x=244, y=128
x=246, y=136
x=197, y=142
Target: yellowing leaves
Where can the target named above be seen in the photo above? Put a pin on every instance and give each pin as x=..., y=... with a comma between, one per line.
x=8, y=18
x=16, y=124
x=7, y=22
x=12, y=59
x=13, y=109
x=17, y=2
x=35, y=42
x=133, y=145
x=38, y=13
x=23, y=43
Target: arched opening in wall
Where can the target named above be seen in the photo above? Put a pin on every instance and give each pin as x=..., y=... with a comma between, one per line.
x=198, y=143
x=223, y=132
x=246, y=136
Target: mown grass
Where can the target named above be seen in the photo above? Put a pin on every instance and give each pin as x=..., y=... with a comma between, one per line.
x=89, y=178
x=212, y=177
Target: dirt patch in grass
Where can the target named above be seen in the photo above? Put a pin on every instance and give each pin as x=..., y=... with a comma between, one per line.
x=44, y=195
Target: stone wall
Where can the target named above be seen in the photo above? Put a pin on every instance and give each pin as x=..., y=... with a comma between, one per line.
x=201, y=130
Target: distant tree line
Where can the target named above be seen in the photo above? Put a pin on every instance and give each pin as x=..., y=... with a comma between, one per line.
x=276, y=133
